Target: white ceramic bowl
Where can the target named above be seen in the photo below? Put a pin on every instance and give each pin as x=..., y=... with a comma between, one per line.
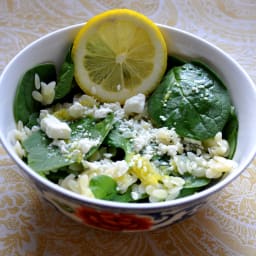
x=130, y=216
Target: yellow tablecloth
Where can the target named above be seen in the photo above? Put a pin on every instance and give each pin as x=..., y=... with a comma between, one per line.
x=227, y=226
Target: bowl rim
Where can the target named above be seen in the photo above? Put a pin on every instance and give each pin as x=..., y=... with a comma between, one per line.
x=82, y=200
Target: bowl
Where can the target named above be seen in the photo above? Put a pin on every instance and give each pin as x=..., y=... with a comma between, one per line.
x=116, y=216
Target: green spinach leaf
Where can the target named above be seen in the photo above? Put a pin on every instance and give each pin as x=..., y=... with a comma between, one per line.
x=61, y=174
x=116, y=139
x=191, y=99
x=193, y=184
x=65, y=79
x=24, y=104
x=230, y=133
x=187, y=191
x=105, y=187
x=92, y=129
x=43, y=156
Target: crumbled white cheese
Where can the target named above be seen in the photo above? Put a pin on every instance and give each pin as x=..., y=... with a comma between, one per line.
x=101, y=112
x=85, y=144
x=142, y=139
x=135, y=104
x=116, y=109
x=76, y=110
x=62, y=145
x=166, y=136
x=54, y=128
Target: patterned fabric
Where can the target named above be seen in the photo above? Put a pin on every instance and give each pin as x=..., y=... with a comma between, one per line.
x=226, y=226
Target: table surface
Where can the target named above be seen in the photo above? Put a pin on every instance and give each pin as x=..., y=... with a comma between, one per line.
x=226, y=226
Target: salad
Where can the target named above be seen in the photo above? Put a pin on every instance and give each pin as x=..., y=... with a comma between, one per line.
x=145, y=150
x=175, y=141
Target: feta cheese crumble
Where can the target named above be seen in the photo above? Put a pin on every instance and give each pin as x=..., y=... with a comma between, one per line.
x=135, y=104
x=54, y=128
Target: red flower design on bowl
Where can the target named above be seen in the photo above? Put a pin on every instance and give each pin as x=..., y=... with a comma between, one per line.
x=113, y=221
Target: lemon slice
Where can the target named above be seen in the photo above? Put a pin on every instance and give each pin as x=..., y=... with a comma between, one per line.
x=118, y=54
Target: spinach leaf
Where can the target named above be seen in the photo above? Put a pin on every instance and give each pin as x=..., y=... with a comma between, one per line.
x=64, y=83
x=116, y=139
x=191, y=99
x=102, y=186
x=230, y=132
x=59, y=174
x=24, y=104
x=187, y=192
x=105, y=187
x=32, y=119
x=193, y=184
x=92, y=129
x=44, y=157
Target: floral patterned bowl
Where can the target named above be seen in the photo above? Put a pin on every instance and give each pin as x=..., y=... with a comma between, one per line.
x=115, y=216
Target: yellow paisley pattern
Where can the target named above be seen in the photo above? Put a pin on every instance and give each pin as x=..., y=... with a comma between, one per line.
x=226, y=226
